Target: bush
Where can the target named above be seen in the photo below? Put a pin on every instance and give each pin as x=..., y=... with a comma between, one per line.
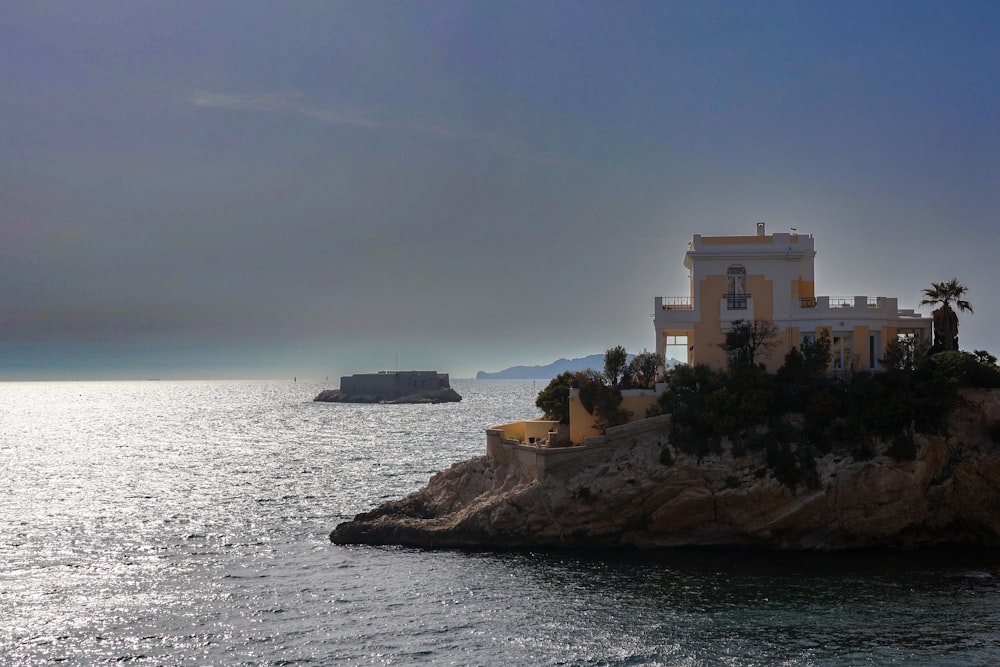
x=600, y=400
x=915, y=394
x=994, y=431
x=903, y=447
x=642, y=370
x=783, y=463
x=554, y=399
x=822, y=407
x=666, y=458
x=964, y=369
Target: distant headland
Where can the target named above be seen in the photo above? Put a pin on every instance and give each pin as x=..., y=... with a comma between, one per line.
x=392, y=387
x=549, y=371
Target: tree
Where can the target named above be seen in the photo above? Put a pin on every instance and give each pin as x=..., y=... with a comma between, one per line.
x=748, y=338
x=615, y=363
x=904, y=353
x=985, y=357
x=600, y=399
x=943, y=295
x=643, y=368
x=816, y=355
x=554, y=399
x=804, y=370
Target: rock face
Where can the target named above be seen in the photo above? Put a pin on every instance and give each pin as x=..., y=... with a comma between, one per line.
x=648, y=494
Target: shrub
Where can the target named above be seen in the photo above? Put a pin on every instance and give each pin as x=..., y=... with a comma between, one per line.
x=822, y=407
x=964, y=369
x=554, y=399
x=783, y=464
x=808, y=474
x=666, y=458
x=642, y=370
x=863, y=452
x=915, y=394
x=994, y=431
x=903, y=447
x=600, y=400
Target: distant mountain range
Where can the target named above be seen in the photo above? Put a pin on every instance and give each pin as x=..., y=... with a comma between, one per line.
x=595, y=361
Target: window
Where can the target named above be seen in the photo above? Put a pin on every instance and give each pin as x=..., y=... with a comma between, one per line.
x=840, y=350
x=677, y=347
x=874, y=349
x=736, y=288
x=736, y=280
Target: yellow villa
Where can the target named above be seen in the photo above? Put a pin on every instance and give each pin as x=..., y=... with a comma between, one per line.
x=770, y=277
x=761, y=276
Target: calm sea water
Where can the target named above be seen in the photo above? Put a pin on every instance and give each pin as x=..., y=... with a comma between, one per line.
x=186, y=523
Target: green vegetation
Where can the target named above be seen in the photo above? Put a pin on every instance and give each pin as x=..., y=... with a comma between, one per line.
x=643, y=371
x=794, y=415
x=943, y=294
x=615, y=364
x=600, y=399
x=600, y=393
x=746, y=339
x=801, y=411
x=554, y=399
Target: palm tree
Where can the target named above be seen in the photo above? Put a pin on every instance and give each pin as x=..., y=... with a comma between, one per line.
x=943, y=295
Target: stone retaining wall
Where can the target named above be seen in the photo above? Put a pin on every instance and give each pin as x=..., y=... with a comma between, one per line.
x=563, y=462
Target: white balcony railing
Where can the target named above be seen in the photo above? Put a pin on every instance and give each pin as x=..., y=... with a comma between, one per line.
x=676, y=303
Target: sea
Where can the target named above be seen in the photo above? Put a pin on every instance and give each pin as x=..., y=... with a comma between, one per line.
x=186, y=523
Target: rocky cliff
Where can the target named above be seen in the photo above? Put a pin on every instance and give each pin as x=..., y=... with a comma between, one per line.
x=647, y=493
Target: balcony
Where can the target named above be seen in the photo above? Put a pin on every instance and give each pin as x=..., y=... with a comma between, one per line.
x=676, y=302
x=848, y=302
x=736, y=301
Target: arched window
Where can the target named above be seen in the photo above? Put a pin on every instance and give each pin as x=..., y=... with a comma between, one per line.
x=736, y=288
x=736, y=279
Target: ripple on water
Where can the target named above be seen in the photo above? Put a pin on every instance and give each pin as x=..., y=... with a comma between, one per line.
x=186, y=523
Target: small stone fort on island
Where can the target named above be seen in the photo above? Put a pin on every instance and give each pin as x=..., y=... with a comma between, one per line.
x=810, y=478
x=392, y=387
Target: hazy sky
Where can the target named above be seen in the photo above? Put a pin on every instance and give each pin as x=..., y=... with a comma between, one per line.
x=269, y=189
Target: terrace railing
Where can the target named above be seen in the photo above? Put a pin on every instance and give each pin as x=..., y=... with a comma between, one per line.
x=736, y=301
x=677, y=303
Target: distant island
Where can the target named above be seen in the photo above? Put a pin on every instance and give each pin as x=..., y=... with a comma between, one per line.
x=595, y=361
x=392, y=387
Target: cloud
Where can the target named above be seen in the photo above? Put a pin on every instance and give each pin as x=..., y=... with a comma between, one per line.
x=280, y=103
x=289, y=103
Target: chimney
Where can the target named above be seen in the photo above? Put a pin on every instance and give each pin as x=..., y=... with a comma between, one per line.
x=760, y=229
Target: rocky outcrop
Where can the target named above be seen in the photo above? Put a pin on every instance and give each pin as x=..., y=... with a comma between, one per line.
x=647, y=493
x=445, y=395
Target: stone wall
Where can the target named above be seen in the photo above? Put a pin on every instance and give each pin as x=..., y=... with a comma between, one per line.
x=540, y=463
x=393, y=384
x=636, y=401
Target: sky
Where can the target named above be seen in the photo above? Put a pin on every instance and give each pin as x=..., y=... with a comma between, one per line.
x=310, y=189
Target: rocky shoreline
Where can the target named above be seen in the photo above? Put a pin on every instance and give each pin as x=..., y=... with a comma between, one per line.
x=648, y=494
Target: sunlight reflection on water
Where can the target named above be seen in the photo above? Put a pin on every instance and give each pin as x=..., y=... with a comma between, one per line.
x=186, y=523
